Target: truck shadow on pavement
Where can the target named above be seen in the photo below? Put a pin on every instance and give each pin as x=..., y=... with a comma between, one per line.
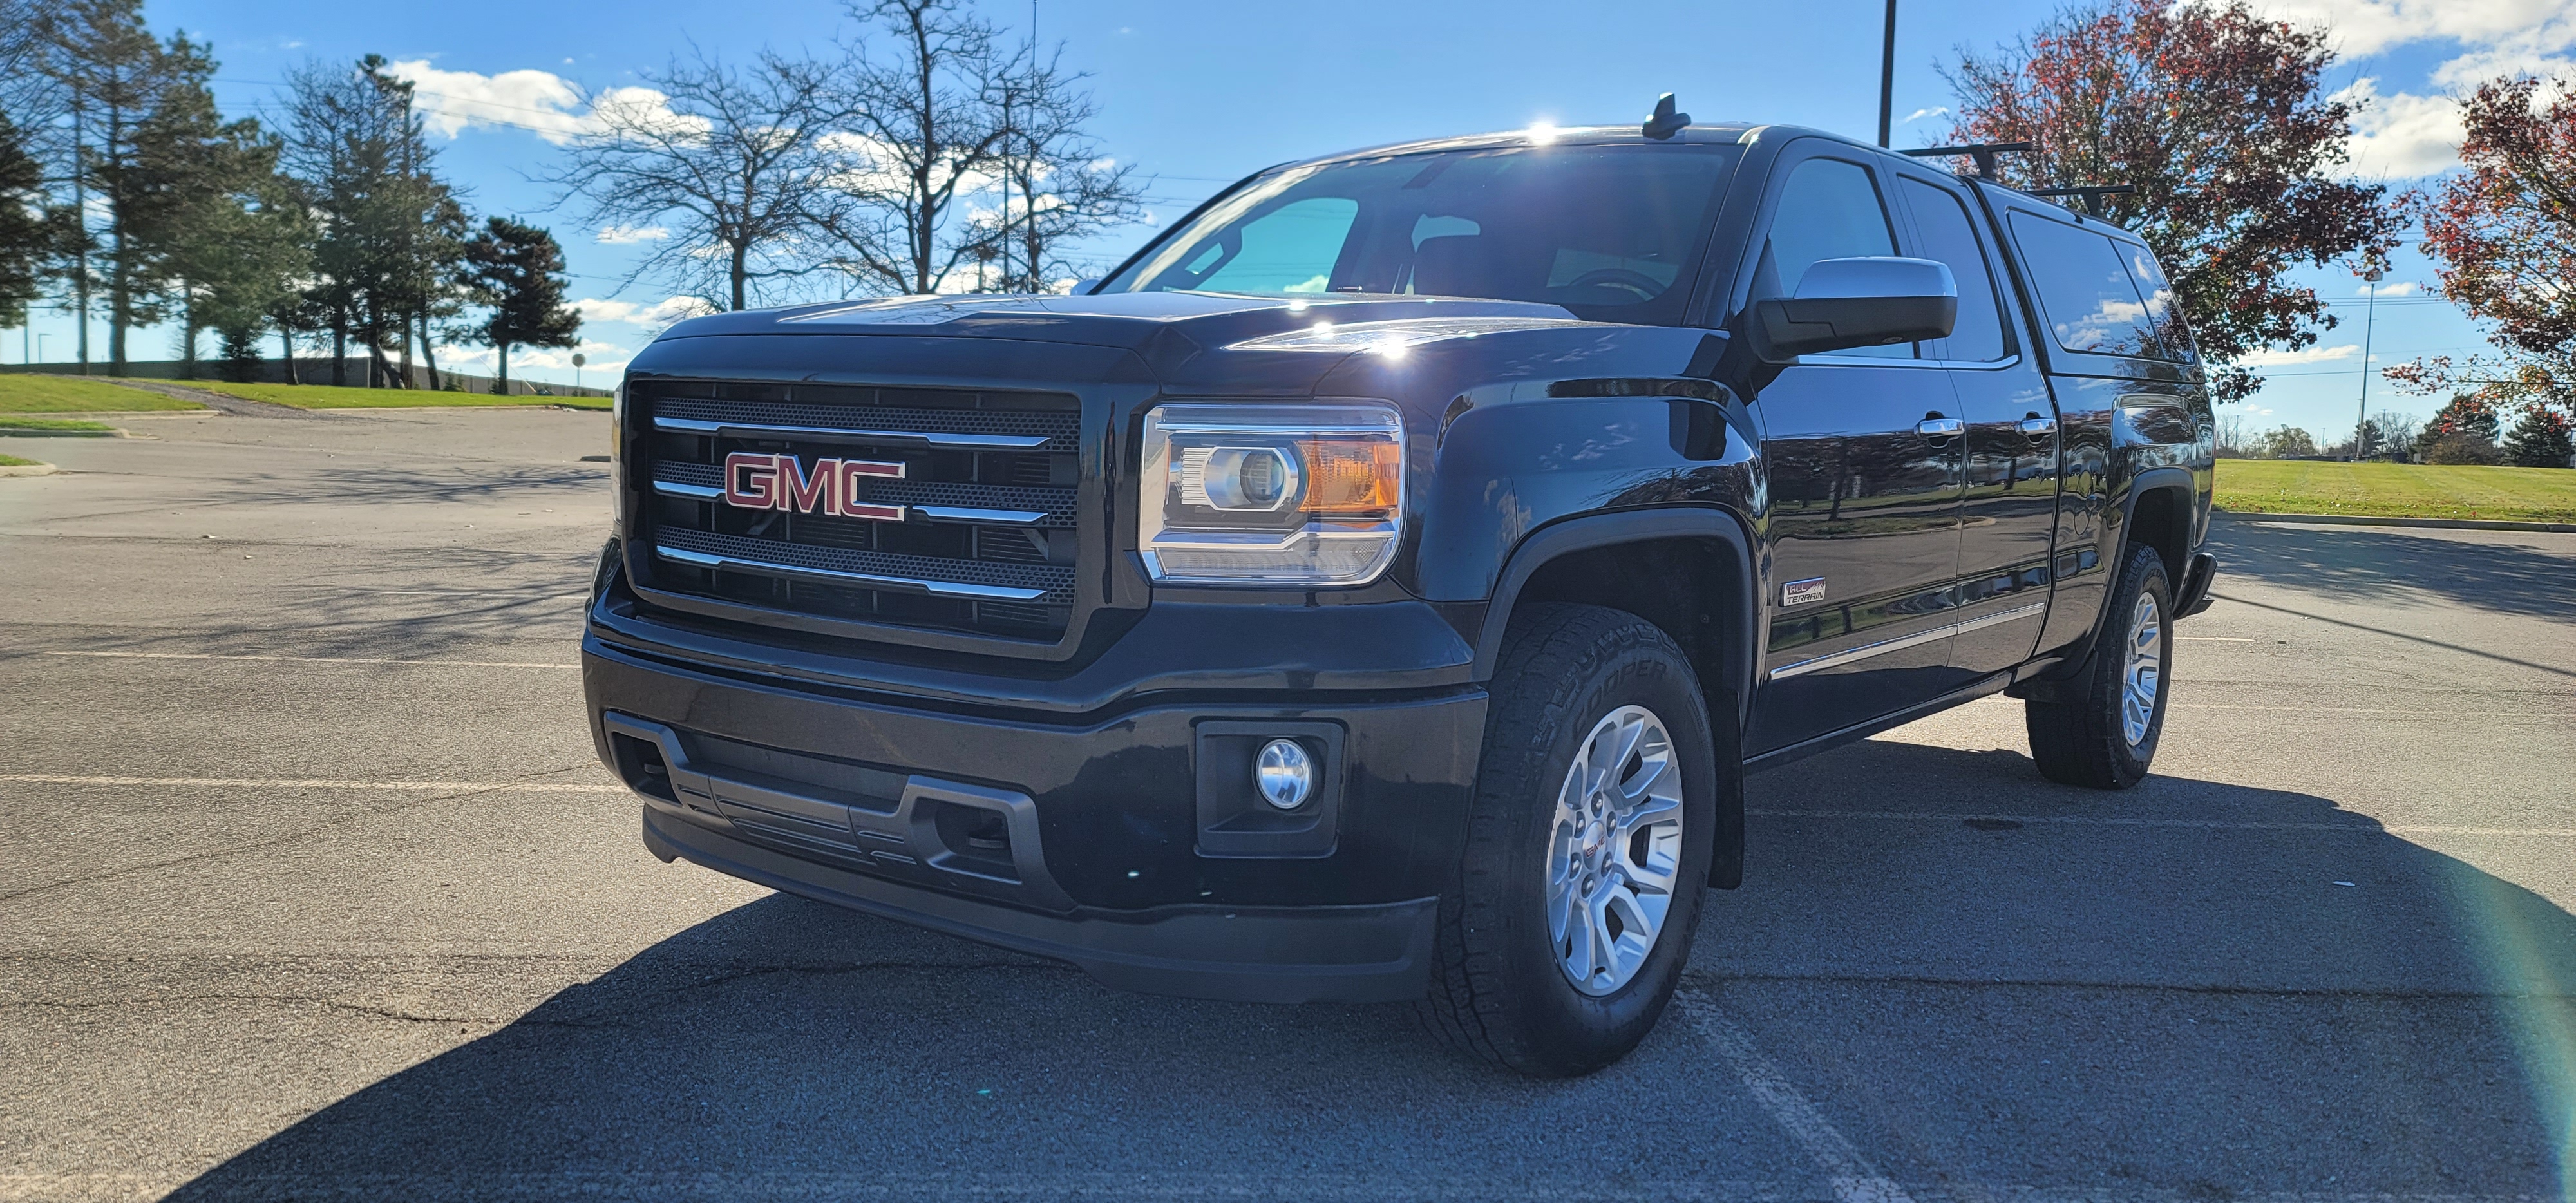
x=2164, y=990
x=2365, y=564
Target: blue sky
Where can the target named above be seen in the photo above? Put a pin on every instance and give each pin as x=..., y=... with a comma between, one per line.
x=1197, y=94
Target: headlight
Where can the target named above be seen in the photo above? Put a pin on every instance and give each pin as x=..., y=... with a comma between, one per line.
x=1271, y=494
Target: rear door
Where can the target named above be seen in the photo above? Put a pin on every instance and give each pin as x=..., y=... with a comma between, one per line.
x=1865, y=479
x=2010, y=509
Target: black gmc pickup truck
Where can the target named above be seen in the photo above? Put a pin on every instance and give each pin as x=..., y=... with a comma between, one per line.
x=1378, y=588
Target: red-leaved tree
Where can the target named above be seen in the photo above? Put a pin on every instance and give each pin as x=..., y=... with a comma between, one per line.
x=2503, y=231
x=2217, y=117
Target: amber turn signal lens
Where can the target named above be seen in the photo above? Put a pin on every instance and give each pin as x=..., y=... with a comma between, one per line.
x=1352, y=477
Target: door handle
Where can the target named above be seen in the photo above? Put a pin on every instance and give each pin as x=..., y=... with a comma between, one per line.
x=2038, y=427
x=1940, y=428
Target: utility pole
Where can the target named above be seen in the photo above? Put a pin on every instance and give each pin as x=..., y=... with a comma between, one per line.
x=80, y=214
x=2369, y=315
x=1887, y=76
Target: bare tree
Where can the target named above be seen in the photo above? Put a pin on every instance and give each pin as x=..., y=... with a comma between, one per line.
x=1057, y=186
x=2392, y=433
x=726, y=160
x=2231, y=437
x=928, y=134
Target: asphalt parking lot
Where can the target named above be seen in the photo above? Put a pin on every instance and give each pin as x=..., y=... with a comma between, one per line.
x=312, y=889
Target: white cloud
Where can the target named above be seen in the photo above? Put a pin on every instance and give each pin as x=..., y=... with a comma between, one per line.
x=2283, y=359
x=2401, y=288
x=658, y=314
x=2407, y=135
x=1920, y=114
x=625, y=235
x=2401, y=136
x=2367, y=27
x=600, y=356
x=452, y=100
x=554, y=108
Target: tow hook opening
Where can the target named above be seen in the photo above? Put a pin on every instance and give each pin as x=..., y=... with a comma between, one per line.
x=640, y=764
x=975, y=839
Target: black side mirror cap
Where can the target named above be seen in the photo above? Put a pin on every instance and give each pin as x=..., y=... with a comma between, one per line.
x=1841, y=304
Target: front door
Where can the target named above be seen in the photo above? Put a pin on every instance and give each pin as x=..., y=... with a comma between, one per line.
x=1867, y=468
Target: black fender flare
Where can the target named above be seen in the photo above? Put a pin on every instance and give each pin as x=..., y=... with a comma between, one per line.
x=1728, y=704
x=2043, y=687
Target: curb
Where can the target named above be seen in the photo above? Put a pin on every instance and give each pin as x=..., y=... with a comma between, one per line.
x=2562, y=528
x=31, y=432
x=119, y=415
x=28, y=469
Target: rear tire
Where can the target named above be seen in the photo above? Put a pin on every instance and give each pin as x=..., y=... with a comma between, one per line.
x=2107, y=739
x=1595, y=874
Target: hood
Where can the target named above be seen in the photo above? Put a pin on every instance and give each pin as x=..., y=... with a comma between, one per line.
x=1191, y=341
x=1132, y=320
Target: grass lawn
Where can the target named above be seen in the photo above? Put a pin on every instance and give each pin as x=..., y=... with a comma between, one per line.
x=323, y=396
x=10, y=423
x=11, y=461
x=31, y=394
x=2397, y=490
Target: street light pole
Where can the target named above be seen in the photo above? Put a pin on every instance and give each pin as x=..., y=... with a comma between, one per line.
x=1887, y=76
x=2369, y=317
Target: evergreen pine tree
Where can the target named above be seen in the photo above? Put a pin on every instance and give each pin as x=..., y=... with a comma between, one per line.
x=515, y=272
x=25, y=236
x=2542, y=440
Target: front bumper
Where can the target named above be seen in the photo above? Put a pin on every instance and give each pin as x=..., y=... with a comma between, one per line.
x=1091, y=842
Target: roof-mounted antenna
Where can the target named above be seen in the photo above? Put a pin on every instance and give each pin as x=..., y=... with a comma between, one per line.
x=1983, y=152
x=2092, y=196
x=1665, y=123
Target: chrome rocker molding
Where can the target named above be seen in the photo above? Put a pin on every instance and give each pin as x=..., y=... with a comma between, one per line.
x=1919, y=638
x=870, y=580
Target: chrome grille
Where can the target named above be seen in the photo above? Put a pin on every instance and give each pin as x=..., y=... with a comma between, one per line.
x=987, y=540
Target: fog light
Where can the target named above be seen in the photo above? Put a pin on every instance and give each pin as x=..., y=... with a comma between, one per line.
x=1285, y=774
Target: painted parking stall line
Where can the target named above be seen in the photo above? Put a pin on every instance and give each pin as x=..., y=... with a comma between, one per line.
x=1853, y=1178
x=320, y=659
x=537, y=787
x=2365, y=828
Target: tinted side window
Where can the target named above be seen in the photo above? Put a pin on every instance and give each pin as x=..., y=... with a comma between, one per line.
x=2092, y=304
x=1949, y=237
x=1829, y=209
x=2161, y=308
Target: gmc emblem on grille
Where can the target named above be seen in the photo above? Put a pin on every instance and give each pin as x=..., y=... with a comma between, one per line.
x=760, y=481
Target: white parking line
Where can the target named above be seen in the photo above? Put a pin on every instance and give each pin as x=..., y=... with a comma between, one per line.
x=538, y=787
x=1854, y=1179
x=1929, y=816
x=319, y=659
x=2371, y=710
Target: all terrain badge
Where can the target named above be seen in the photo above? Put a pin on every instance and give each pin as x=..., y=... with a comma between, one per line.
x=1799, y=593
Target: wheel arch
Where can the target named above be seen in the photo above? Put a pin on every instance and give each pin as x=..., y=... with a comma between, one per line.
x=1690, y=572
x=2158, y=513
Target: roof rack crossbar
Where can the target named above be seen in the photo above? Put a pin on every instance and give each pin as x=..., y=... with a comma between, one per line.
x=1983, y=152
x=2091, y=195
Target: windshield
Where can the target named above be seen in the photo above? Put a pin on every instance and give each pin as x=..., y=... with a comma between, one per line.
x=1609, y=232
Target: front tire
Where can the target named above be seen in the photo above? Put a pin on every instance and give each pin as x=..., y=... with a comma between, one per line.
x=1587, y=846
x=2107, y=739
